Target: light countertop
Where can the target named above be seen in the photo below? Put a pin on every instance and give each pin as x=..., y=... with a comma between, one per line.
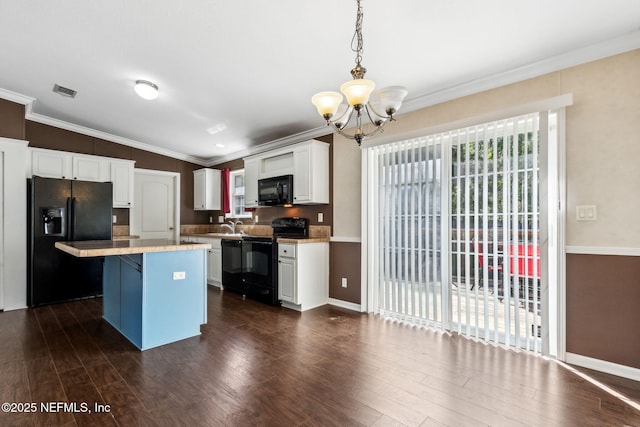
x=228, y=236
x=92, y=248
x=303, y=241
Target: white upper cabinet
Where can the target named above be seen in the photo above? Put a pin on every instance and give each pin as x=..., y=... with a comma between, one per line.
x=84, y=167
x=90, y=168
x=308, y=162
x=51, y=163
x=311, y=173
x=122, y=179
x=206, y=189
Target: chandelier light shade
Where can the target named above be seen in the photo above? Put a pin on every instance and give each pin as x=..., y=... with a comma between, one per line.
x=327, y=103
x=378, y=106
x=146, y=89
x=357, y=91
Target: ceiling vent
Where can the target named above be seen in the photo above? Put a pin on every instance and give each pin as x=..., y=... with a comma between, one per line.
x=64, y=91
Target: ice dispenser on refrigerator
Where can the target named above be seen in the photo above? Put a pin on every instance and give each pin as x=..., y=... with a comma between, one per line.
x=53, y=220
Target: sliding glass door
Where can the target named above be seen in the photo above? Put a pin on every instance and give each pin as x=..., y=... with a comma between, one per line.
x=495, y=252
x=457, y=231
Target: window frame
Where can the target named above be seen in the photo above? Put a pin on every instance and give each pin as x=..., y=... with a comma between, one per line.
x=232, y=205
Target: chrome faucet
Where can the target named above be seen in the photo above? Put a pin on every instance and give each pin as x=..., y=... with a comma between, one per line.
x=232, y=226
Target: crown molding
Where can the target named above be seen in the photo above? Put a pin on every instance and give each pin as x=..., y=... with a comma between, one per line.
x=268, y=146
x=39, y=118
x=18, y=98
x=614, y=46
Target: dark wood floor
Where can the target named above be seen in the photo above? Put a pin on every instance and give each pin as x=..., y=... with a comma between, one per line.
x=260, y=365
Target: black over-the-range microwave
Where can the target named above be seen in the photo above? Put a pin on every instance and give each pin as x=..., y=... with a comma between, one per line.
x=275, y=191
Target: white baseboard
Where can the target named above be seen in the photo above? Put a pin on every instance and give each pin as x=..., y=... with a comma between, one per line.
x=345, y=304
x=345, y=239
x=603, y=366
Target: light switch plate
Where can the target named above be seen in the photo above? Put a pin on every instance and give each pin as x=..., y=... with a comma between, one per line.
x=586, y=213
x=179, y=275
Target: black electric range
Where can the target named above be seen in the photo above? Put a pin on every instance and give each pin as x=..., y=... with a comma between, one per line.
x=250, y=266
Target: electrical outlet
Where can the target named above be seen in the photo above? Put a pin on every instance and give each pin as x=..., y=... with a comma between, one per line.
x=179, y=275
x=256, y=219
x=115, y=219
x=220, y=219
x=344, y=282
x=320, y=217
x=210, y=220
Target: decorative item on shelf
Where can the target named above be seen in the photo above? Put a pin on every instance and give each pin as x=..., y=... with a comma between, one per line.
x=379, y=106
x=146, y=89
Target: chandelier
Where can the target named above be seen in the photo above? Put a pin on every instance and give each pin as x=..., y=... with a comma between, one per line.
x=379, y=106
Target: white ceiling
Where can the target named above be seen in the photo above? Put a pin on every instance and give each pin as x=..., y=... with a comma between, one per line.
x=254, y=65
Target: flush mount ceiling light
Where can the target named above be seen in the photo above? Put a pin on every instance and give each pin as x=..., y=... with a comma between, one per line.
x=378, y=106
x=146, y=89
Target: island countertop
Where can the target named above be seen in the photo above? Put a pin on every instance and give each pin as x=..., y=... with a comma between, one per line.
x=92, y=248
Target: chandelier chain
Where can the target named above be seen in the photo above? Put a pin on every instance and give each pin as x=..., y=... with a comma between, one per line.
x=356, y=41
x=378, y=112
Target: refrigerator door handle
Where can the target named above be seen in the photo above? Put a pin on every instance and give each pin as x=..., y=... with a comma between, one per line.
x=71, y=207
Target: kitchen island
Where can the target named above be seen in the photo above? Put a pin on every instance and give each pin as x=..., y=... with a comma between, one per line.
x=154, y=290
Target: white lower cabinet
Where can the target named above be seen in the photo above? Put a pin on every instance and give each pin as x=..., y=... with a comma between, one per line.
x=214, y=263
x=303, y=275
x=287, y=282
x=214, y=258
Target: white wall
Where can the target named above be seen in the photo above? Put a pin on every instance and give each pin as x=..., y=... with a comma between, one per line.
x=13, y=255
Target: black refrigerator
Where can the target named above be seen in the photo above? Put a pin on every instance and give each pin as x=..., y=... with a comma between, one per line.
x=65, y=210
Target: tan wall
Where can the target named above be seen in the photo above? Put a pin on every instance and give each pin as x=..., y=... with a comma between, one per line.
x=603, y=146
x=347, y=180
x=603, y=151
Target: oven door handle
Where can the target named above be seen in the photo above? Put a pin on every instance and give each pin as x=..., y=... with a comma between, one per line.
x=253, y=242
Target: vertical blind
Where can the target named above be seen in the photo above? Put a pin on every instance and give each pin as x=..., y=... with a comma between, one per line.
x=407, y=210
x=457, y=231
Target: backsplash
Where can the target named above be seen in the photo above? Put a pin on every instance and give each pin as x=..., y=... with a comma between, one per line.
x=254, y=230
x=120, y=230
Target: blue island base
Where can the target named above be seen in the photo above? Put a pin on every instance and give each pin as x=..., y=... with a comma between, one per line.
x=156, y=298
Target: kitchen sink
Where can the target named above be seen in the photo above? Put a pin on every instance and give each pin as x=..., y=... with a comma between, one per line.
x=223, y=235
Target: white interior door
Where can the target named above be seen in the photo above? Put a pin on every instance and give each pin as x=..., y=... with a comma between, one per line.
x=155, y=214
